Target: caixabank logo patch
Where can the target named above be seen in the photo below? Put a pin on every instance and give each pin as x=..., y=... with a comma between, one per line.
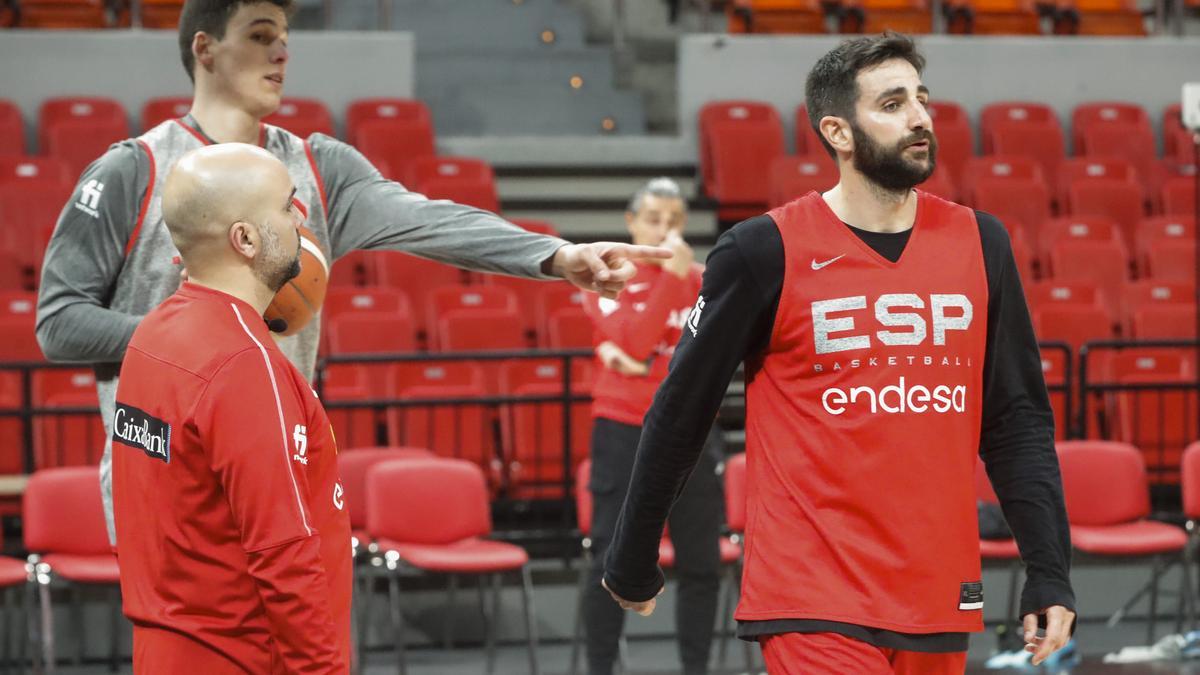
x=138, y=429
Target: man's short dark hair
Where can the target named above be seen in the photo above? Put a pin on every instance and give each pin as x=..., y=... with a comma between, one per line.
x=211, y=17
x=832, y=85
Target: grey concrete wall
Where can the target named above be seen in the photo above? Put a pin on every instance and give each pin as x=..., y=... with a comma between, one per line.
x=972, y=71
x=133, y=66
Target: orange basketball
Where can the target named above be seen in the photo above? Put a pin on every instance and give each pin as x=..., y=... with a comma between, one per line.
x=301, y=298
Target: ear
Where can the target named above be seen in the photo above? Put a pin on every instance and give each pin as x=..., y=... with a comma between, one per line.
x=243, y=237
x=836, y=131
x=202, y=44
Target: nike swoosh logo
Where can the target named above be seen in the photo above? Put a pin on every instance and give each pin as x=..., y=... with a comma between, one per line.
x=816, y=265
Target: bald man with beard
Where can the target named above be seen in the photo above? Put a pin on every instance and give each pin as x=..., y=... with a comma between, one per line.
x=233, y=538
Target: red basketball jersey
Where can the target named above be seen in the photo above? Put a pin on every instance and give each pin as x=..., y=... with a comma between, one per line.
x=863, y=430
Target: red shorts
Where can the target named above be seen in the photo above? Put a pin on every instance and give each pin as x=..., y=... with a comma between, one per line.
x=833, y=654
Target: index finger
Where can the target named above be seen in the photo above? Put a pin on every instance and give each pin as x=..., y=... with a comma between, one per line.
x=1055, y=634
x=640, y=251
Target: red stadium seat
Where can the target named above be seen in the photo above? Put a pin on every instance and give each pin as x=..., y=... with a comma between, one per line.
x=29, y=168
x=552, y=298
x=1024, y=256
x=1105, y=487
x=371, y=300
x=1011, y=112
x=67, y=440
x=1041, y=141
x=354, y=463
x=350, y=383
x=993, y=17
x=480, y=330
x=940, y=184
x=161, y=13
x=12, y=130
x=996, y=166
x=461, y=430
x=1106, y=263
x=1159, y=423
x=1150, y=231
x=27, y=210
x=1177, y=140
x=12, y=438
x=570, y=328
x=463, y=298
x=12, y=273
x=63, y=522
x=1089, y=168
x=1100, y=17
x=393, y=143
x=417, y=277
x=76, y=109
x=365, y=109
x=1081, y=292
x=355, y=269
x=1119, y=200
x=412, y=522
x=738, y=140
x=460, y=179
x=877, y=16
x=1127, y=116
x=303, y=117
x=1015, y=201
x=808, y=143
x=533, y=432
x=792, y=177
x=63, y=14
x=1054, y=371
x=1179, y=196
x=956, y=143
x=159, y=110
x=83, y=142
x=1173, y=260
x=372, y=333
x=1086, y=228
x=774, y=16
x=1072, y=324
x=1168, y=321
x=1149, y=292
x=538, y=226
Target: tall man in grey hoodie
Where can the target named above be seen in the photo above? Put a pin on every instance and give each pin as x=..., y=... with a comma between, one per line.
x=111, y=259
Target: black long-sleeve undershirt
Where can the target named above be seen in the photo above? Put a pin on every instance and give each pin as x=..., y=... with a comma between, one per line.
x=742, y=286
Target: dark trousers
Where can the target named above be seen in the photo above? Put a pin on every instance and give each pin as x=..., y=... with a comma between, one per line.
x=695, y=528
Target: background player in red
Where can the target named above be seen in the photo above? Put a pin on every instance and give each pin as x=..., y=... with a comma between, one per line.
x=231, y=526
x=888, y=346
x=635, y=336
x=108, y=266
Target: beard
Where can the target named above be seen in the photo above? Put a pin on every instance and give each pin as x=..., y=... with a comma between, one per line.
x=888, y=167
x=274, y=268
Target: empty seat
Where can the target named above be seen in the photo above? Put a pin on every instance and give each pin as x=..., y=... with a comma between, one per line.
x=1118, y=200
x=417, y=277
x=75, y=439
x=877, y=16
x=940, y=183
x=1177, y=140
x=1054, y=372
x=393, y=143
x=354, y=269
x=1083, y=292
x=28, y=168
x=465, y=180
x=1099, y=17
x=159, y=110
x=1165, y=322
x=12, y=130
x=1150, y=292
x=738, y=140
x=808, y=143
x=552, y=298
x=538, y=226
x=28, y=210
x=63, y=14
x=365, y=109
x=993, y=17
x=1088, y=228
x=1072, y=324
x=792, y=177
x=570, y=328
x=75, y=109
x=372, y=333
x=1179, y=196
x=161, y=13
x=1011, y=112
x=996, y=166
x=956, y=142
x=480, y=330
x=1041, y=141
x=372, y=300
x=1106, y=263
x=775, y=16
x=1160, y=228
x=463, y=298
x=534, y=432
x=302, y=116
x=1119, y=114
x=350, y=385
x=456, y=428
x=1089, y=168
x=1017, y=202
x=1172, y=260
x=1161, y=422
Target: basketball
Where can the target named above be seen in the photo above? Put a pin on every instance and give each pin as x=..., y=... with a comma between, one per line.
x=301, y=298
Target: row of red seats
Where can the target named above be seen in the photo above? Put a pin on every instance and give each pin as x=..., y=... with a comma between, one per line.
x=391, y=131
x=89, y=14
x=740, y=140
x=987, y=17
